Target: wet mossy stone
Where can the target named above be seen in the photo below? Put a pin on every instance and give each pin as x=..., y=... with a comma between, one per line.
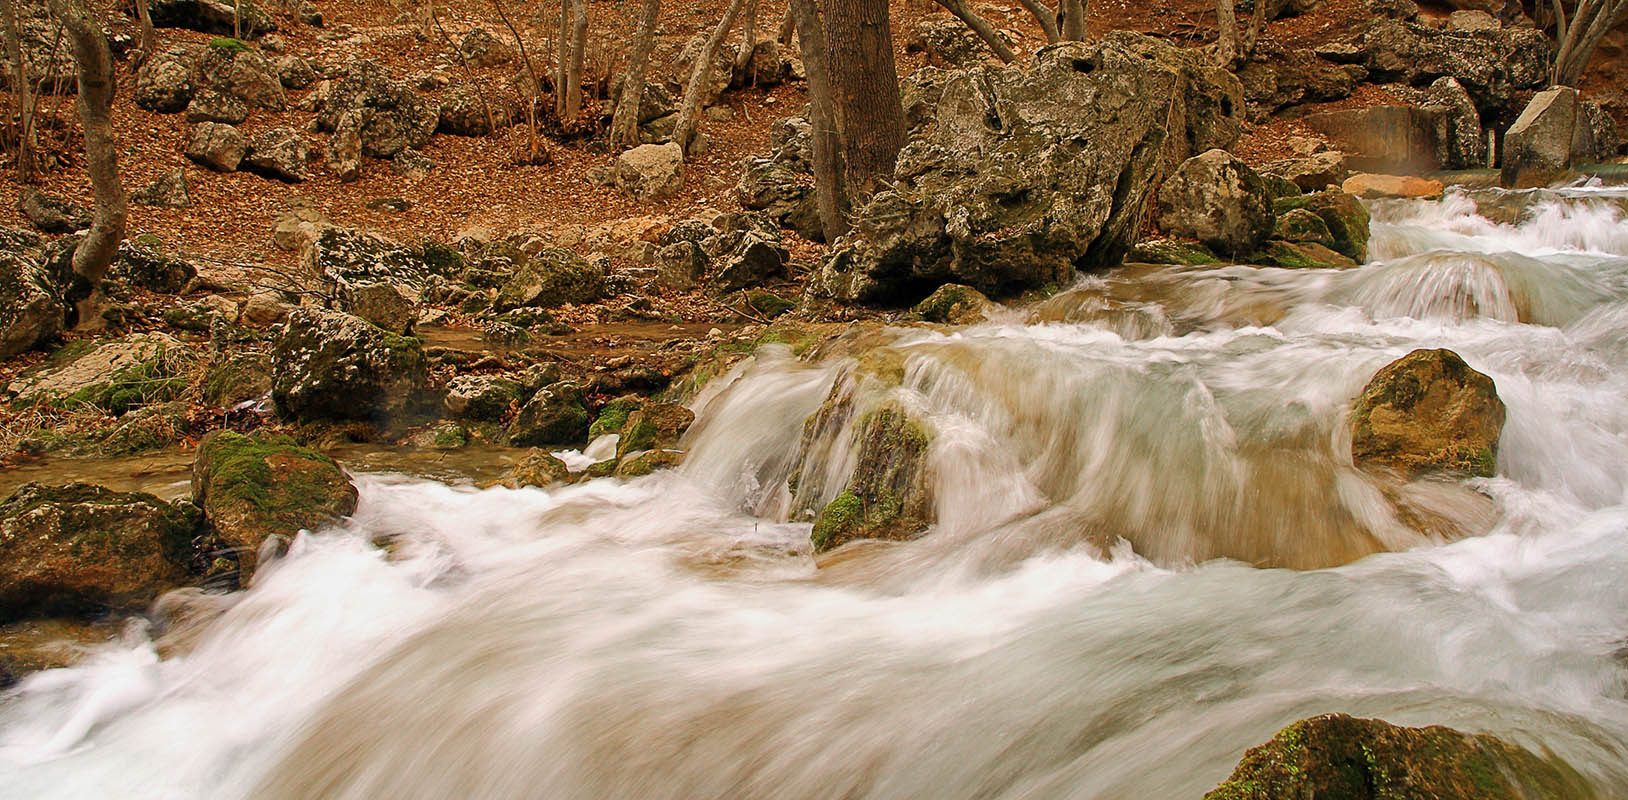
x=887, y=495
x=552, y=277
x=658, y=425
x=1337, y=757
x=1344, y=214
x=555, y=415
x=1172, y=251
x=244, y=376
x=80, y=548
x=538, y=468
x=613, y=415
x=1278, y=186
x=333, y=366
x=1299, y=255
x=647, y=462
x=262, y=485
x=954, y=304
x=1302, y=225
x=1428, y=411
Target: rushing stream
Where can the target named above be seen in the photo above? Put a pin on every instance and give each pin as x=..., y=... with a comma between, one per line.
x=1123, y=476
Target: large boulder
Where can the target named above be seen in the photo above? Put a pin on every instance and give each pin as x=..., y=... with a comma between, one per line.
x=391, y=116
x=657, y=426
x=31, y=310
x=468, y=110
x=650, y=171
x=141, y=262
x=217, y=146
x=1279, y=77
x=279, y=153
x=480, y=398
x=1465, y=146
x=1338, y=756
x=554, y=416
x=164, y=83
x=779, y=190
x=231, y=69
x=1537, y=148
x=254, y=487
x=1027, y=174
x=333, y=366
x=81, y=548
x=552, y=277
x=348, y=258
x=1492, y=65
x=1428, y=411
x=1218, y=200
x=1346, y=218
x=211, y=16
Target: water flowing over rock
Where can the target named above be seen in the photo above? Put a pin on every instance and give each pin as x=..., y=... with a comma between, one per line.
x=1027, y=174
x=333, y=366
x=1428, y=411
x=1337, y=756
x=81, y=548
x=252, y=488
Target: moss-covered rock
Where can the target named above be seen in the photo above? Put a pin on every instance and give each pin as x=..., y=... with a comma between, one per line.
x=114, y=376
x=537, y=468
x=886, y=496
x=141, y=262
x=647, y=462
x=146, y=429
x=1302, y=225
x=1299, y=255
x=1428, y=411
x=31, y=310
x=1171, y=251
x=768, y=304
x=444, y=435
x=1345, y=216
x=244, y=376
x=1337, y=757
x=658, y=425
x=1278, y=186
x=555, y=415
x=333, y=366
x=80, y=548
x=481, y=398
x=551, y=278
x=254, y=487
x=954, y=304
x=613, y=415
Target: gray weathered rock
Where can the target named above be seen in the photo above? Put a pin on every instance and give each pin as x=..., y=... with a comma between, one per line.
x=212, y=106
x=782, y=193
x=480, y=398
x=279, y=153
x=1218, y=200
x=31, y=312
x=329, y=365
x=217, y=146
x=948, y=44
x=348, y=257
x=344, y=151
x=294, y=72
x=1312, y=173
x=239, y=72
x=168, y=191
x=468, y=111
x=680, y=265
x=1028, y=174
x=1538, y=147
x=555, y=415
x=139, y=262
x=382, y=304
x=392, y=116
x=1491, y=65
x=650, y=171
x=1466, y=145
x=549, y=278
x=52, y=214
x=481, y=49
x=164, y=83
x=1596, y=138
x=1279, y=77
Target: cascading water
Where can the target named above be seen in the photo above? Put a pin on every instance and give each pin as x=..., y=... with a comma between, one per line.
x=1092, y=613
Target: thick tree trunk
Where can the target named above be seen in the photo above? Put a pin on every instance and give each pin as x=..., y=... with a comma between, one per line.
x=866, y=86
x=625, y=124
x=1226, y=42
x=1071, y=19
x=700, y=73
x=980, y=26
x=96, y=87
x=573, y=71
x=1047, y=19
x=22, y=90
x=1589, y=23
x=824, y=138
x=743, y=56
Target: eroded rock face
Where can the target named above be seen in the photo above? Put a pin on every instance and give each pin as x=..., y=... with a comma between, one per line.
x=217, y=146
x=1338, y=756
x=1218, y=200
x=255, y=487
x=333, y=366
x=1490, y=64
x=80, y=548
x=1428, y=411
x=1025, y=175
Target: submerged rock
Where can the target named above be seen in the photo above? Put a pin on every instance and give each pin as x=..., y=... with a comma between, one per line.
x=252, y=488
x=1337, y=757
x=538, y=468
x=1428, y=411
x=81, y=548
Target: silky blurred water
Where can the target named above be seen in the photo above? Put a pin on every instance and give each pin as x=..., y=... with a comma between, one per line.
x=1105, y=607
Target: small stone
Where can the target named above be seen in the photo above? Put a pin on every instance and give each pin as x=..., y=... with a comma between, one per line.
x=650, y=172
x=169, y=191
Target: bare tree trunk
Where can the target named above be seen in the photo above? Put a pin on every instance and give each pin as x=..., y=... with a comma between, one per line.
x=788, y=27
x=1252, y=37
x=743, y=56
x=625, y=124
x=469, y=74
x=866, y=87
x=237, y=19
x=700, y=73
x=533, y=146
x=1589, y=23
x=22, y=89
x=1047, y=19
x=573, y=70
x=96, y=87
x=563, y=37
x=149, y=37
x=1071, y=19
x=1226, y=43
x=980, y=26
x=824, y=138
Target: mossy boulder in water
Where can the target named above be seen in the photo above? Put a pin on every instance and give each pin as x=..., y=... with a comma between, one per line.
x=613, y=415
x=954, y=304
x=333, y=366
x=551, y=278
x=1345, y=216
x=555, y=415
x=886, y=496
x=1428, y=411
x=537, y=468
x=1337, y=757
x=1299, y=255
x=1302, y=225
x=658, y=425
x=1171, y=251
x=647, y=462
x=81, y=548
x=1218, y=200
x=254, y=487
